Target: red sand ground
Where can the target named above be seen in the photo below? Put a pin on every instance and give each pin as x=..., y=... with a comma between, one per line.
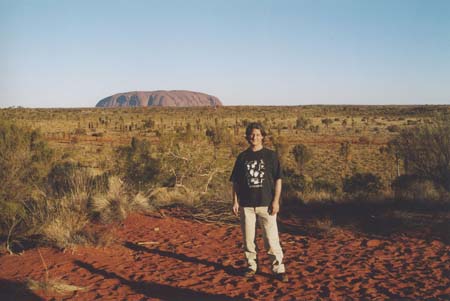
x=188, y=260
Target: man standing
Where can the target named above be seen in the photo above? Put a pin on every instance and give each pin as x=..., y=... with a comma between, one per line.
x=256, y=181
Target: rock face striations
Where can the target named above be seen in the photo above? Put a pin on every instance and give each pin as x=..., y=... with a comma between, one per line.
x=176, y=98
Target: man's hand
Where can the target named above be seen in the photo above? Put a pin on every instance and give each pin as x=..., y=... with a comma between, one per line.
x=274, y=208
x=236, y=208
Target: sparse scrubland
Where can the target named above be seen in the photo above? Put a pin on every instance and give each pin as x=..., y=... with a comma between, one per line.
x=66, y=173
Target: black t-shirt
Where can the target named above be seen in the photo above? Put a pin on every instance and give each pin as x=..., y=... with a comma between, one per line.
x=255, y=174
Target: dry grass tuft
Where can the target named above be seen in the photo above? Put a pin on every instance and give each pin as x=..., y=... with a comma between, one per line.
x=318, y=197
x=65, y=231
x=59, y=221
x=324, y=224
x=166, y=196
x=141, y=202
x=52, y=285
x=117, y=202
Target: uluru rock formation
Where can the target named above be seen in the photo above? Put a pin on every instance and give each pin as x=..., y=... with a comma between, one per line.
x=175, y=98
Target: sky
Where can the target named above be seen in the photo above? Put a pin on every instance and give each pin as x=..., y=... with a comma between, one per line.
x=64, y=53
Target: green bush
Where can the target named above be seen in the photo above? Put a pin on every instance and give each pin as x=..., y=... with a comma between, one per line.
x=323, y=185
x=136, y=164
x=413, y=188
x=425, y=151
x=25, y=160
x=302, y=123
x=393, y=128
x=296, y=182
x=362, y=183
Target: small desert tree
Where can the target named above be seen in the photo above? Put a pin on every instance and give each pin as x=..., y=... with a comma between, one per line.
x=302, y=155
x=216, y=135
x=282, y=148
x=392, y=154
x=345, y=151
x=327, y=122
x=302, y=123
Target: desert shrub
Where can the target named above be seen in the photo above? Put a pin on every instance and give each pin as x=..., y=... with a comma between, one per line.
x=80, y=131
x=25, y=160
x=24, y=163
x=191, y=165
x=362, y=183
x=393, y=128
x=63, y=221
x=364, y=140
x=426, y=151
x=58, y=219
x=302, y=123
x=149, y=124
x=217, y=136
x=167, y=196
x=411, y=122
x=295, y=181
x=323, y=185
x=345, y=150
x=327, y=121
x=12, y=215
x=302, y=155
x=413, y=188
x=136, y=164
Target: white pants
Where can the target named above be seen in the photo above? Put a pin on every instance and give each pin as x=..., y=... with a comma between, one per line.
x=249, y=216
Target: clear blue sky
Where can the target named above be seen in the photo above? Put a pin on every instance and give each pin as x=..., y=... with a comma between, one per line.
x=73, y=53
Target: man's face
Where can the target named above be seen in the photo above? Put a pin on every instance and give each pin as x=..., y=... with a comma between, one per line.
x=255, y=139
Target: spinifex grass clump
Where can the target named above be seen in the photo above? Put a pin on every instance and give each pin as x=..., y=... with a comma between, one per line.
x=117, y=202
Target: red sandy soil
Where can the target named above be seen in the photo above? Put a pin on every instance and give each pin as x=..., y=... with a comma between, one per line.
x=189, y=260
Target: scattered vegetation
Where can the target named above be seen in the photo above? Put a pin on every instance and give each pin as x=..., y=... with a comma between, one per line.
x=64, y=170
x=362, y=184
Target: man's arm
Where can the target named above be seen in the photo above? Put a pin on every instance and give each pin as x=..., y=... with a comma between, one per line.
x=275, y=206
x=235, y=199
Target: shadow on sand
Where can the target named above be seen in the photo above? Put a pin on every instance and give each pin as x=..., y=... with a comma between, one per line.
x=376, y=220
x=156, y=290
x=218, y=266
x=16, y=291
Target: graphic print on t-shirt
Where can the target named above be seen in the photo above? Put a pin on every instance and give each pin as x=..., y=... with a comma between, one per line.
x=255, y=170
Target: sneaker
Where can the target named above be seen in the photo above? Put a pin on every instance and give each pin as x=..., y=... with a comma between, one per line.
x=249, y=273
x=282, y=277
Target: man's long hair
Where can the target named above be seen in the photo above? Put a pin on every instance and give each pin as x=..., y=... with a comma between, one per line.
x=254, y=125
